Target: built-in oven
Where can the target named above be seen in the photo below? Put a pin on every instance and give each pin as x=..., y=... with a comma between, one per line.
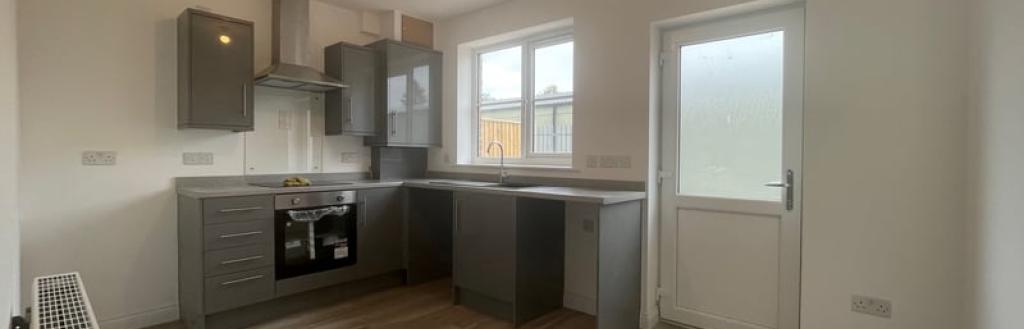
x=314, y=232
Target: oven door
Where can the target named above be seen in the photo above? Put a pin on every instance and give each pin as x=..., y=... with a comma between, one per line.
x=309, y=247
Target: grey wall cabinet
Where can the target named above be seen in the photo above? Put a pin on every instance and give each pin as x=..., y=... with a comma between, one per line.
x=215, y=72
x=350, y=111
x=408, y=95
x=381, y=234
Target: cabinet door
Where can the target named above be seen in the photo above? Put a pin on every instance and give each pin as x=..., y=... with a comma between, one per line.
x=381, y=237
x=350, y=111
x=401, y=92
x=222, y=72
x=424, y=125
x=485, y=244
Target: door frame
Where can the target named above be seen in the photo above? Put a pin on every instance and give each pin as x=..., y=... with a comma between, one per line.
x=790, y=291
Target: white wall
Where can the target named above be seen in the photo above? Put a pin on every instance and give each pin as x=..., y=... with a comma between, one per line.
x=884, y=138
x=9, y=254
x=885, y=166
x=101, y=75
x=997, y=129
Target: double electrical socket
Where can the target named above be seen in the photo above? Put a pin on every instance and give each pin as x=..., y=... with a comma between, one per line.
x=609, y=161
x=197, y=158
x=99, y=158
x=871, y=306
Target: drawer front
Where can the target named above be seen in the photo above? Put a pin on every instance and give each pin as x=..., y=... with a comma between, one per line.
x=240, y=209
x=238, y=259
x=223, y=236
x=229, y=291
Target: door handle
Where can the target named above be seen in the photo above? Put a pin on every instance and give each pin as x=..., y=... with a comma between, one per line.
x=788, y=185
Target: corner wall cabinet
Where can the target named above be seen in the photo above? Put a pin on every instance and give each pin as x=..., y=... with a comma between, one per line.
x=408, y=95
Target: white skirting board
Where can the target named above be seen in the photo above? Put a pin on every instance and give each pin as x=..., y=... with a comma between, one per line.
x=143, y=319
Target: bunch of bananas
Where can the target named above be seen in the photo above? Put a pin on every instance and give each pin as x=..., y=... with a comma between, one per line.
x=297, y=182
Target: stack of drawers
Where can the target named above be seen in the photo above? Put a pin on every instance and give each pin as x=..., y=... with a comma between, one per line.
x=238, y=252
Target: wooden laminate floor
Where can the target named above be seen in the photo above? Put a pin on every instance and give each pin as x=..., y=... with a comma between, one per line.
x=425, y=306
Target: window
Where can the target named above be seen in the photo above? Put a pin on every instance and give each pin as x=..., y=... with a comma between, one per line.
x=523, y=99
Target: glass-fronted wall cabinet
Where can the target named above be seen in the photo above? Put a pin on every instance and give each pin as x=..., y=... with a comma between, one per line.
x=408, y=104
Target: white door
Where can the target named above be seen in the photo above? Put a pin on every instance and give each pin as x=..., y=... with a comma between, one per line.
x=731, y=166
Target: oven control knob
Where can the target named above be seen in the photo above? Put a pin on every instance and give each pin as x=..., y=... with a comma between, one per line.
x=341, y=198
x=296, y=201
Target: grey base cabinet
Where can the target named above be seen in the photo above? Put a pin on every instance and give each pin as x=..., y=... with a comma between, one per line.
x=225, y=255
x=509, y=255
x=380, y=232
x=215, y=71
x=429, y=223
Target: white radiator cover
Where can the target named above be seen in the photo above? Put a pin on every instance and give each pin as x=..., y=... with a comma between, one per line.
x=60, y=302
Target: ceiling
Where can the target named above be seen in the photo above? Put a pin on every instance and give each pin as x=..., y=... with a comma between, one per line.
x=429, y=9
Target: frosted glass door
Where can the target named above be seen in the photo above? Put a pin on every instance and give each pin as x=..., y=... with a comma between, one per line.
x=730, y=168
x=730, y=127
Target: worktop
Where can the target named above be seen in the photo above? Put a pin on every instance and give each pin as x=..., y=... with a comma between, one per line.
x=574, y=194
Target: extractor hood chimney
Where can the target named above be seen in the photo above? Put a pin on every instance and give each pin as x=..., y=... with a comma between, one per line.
x=291, y=58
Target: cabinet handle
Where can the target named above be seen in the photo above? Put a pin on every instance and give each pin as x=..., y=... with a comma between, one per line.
x=254, y=277
x=348, y=105
x=363, y=214
x=231, y=210
x=245, y=100
x=392, y=125
x=241, y=260
x=239, y=235
x=458, y=218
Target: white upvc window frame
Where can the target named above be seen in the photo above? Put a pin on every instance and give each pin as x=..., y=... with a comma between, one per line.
x=527, y=98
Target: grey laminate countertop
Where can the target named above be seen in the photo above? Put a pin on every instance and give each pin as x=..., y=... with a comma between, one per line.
x=540, y=192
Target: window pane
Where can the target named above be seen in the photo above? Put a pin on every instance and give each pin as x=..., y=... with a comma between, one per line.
x=502, y=123
x=553, y=66
x=731, y=117
x=552, y=126
x=501, y=75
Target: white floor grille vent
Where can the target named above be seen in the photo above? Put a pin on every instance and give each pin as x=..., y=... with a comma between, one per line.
x=59, y=302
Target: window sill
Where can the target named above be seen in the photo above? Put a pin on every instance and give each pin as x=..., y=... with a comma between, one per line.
x=568, y=168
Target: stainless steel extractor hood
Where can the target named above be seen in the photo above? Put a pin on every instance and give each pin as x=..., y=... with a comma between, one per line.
x=291, y=59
